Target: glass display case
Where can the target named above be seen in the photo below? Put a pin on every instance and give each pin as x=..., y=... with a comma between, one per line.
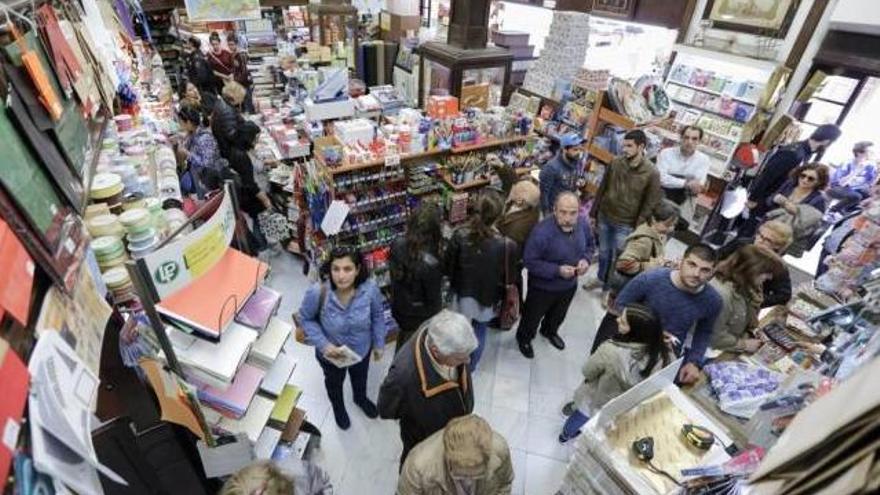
x=335, y=25
x=477, y=77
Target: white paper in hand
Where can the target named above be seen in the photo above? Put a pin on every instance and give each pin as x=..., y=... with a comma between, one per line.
x=347, y=358
x=335, y=217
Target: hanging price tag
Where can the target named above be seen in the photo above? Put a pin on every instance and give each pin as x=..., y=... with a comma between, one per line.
x=392, y=160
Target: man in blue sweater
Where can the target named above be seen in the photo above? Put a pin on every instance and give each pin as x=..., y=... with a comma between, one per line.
x=562, y=172
x=556, y=253
x=683, y=300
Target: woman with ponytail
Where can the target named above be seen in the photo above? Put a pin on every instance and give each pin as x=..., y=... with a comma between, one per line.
x=636, y=352
x=477, y=261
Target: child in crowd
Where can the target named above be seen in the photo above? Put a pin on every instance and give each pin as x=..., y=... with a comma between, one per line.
x=619, y=364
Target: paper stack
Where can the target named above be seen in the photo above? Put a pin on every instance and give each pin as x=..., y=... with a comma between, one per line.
x=563, y=52
x=832, y=445
x=259, y=308
x=209, y=363
x=266, y=349
x=285, y=404
x=278, y=375
x=234, y=401
x=253, y=421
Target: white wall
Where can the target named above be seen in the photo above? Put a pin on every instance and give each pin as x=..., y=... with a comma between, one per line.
x=861, y=16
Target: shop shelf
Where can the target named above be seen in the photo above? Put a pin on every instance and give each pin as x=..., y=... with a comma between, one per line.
x=600, y=153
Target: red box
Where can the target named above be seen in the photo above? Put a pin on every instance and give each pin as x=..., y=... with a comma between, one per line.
x=441, y=107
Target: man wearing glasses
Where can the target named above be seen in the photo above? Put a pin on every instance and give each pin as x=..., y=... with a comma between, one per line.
x=775, y=236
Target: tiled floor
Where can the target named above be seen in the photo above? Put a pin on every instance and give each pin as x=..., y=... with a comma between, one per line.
x=520, y=398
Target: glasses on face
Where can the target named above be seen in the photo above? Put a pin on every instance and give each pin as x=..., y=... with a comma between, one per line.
x=761, y=237
x=809, y=178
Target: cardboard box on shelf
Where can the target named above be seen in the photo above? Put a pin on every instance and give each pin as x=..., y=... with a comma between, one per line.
x=394, y=26
x=440, y=107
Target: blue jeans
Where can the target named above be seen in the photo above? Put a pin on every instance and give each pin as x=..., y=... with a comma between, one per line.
x=574, y=423
x=480, y=330
x=612, y=237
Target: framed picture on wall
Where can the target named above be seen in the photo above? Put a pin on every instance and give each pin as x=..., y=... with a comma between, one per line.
x=624, y=9
x=761, y=17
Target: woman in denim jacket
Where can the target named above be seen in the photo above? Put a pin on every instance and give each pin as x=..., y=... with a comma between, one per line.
x=346, y=311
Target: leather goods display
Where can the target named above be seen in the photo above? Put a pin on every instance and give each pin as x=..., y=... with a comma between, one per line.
x=66, y=65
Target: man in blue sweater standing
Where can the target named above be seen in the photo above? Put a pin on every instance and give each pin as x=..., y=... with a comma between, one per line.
x=556, y=253
x=562, y=172
x=683, y=300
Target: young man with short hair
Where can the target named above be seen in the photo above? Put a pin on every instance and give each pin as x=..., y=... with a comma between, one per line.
x=562, y=172
x=852, y=181
x=683, y=168
x=629, y=191
x=682, y=300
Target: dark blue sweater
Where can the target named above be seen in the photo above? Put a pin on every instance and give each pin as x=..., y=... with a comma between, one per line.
x=678, y=310
x=548, y=247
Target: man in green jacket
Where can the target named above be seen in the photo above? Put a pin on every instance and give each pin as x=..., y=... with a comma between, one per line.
x=629, y=191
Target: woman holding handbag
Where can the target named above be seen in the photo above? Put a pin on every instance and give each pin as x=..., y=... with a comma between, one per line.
x=344, y=318
x=475, y=259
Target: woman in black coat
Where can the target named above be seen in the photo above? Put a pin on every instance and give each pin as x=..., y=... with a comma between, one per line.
x=416, y=277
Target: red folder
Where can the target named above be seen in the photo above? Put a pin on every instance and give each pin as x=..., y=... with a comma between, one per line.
x=14, y=390
x=209, y=303
x=17, y=281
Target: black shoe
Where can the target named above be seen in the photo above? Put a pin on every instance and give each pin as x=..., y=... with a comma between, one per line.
x=556, y=341
x=563, y=438
x=526, y=349
x=568, y=409
x=342, y=419
x=368, y=407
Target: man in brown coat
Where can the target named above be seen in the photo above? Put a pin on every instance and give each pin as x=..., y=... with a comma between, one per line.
x=629, y=191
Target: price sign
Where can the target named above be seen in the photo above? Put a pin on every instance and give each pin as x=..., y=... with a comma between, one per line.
x=392, y=160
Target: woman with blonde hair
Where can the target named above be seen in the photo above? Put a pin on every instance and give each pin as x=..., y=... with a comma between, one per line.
x=467, y=456
x=739, y=280
x=521, y=213
x=775, y=236
x=290, y=477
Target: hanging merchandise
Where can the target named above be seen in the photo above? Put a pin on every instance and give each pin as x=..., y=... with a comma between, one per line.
x=37, y=72
x=67, y=68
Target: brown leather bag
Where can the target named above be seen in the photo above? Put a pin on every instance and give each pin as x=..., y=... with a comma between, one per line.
x=300, y=331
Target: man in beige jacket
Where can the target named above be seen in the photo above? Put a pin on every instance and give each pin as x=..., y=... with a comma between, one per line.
x=465, y=458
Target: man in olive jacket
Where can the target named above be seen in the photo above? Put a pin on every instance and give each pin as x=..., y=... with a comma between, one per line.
x=429, y=383
x=629, y=191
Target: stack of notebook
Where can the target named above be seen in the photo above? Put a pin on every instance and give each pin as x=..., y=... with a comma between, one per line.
x=279, y=373
x=210, y=363
x=259, y=308
x=208, y=304
x=234, y=401
x=268, y=346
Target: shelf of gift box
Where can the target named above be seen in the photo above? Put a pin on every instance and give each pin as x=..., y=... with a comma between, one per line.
x=464, y=186
x=713, y=112
x=713, y=92
x=372, y=184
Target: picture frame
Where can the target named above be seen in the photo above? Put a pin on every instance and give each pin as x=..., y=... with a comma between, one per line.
x=771, y=18
x=622, y=9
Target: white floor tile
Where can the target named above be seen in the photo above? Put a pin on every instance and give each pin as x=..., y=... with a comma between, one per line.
x=543, y=475
x=518, y=459
x=511, y=393
x=548, y=401
x=513, y=425
x=512, y=364
x=543, y=433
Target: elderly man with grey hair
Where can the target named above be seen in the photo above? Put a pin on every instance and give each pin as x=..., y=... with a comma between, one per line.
x=429, y=383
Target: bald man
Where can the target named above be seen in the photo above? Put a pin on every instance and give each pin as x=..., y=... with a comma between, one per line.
x=557, y=252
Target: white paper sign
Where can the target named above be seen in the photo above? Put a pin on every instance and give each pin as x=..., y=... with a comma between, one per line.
x=335, y=217
x=392, y=160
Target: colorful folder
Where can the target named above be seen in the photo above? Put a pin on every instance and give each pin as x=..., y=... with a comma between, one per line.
x=209, y=303
x=234, y=401
x=259, y=308
x=14, y=390
x=18, y=280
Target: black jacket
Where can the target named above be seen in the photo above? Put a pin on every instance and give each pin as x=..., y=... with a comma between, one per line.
x=226, y=122
x=777, y=290
x=479, y=271
x=775, y=172
x=416, y=293
x=416, y=395
x=199, y=72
